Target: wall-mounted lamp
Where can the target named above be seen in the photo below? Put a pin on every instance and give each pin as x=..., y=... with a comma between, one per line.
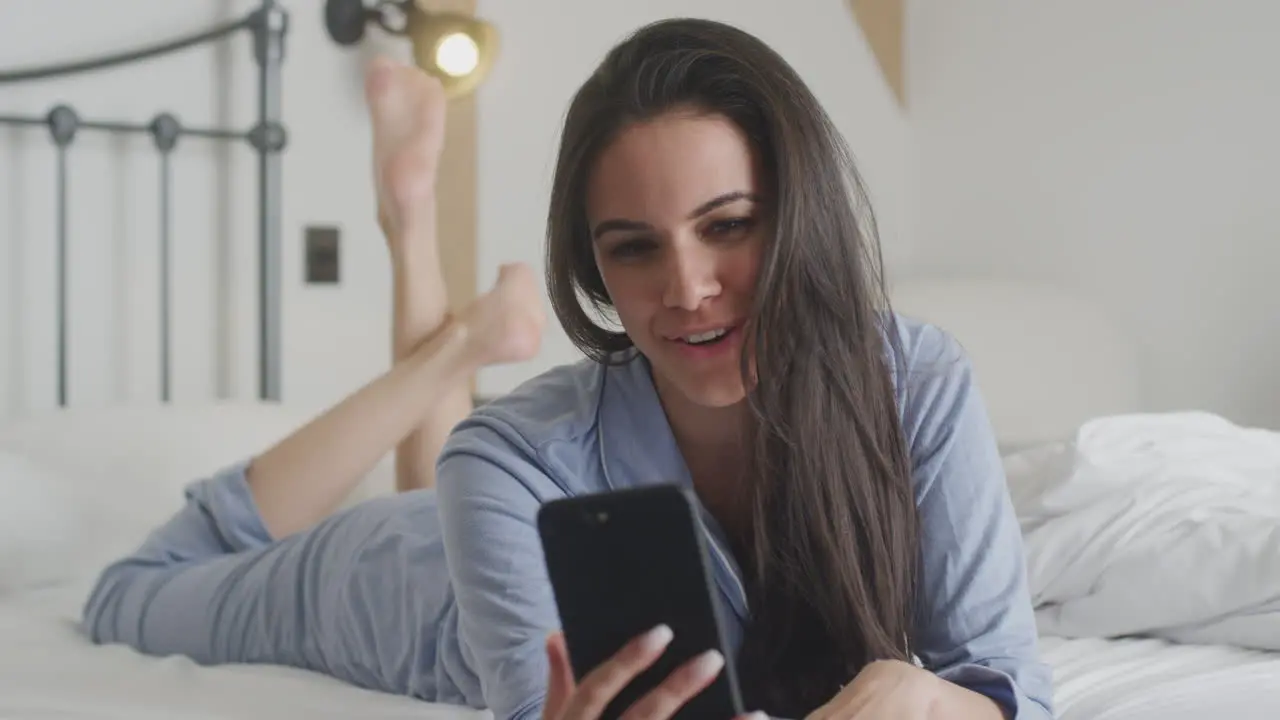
x=456, y=48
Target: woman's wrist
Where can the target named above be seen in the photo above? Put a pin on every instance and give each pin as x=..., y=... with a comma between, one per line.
x=948, y=701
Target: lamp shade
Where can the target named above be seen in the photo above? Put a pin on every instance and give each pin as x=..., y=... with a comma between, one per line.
x=457, y=49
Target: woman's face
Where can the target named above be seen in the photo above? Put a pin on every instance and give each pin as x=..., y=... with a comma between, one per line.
x=677, y=221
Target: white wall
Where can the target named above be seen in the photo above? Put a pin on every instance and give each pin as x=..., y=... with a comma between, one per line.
x=1127, y=150
x=549, y=47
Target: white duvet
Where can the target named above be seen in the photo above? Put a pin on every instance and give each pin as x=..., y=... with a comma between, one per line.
x=1159, y=525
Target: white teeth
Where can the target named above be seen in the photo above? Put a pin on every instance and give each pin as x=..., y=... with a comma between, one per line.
x=705, y=337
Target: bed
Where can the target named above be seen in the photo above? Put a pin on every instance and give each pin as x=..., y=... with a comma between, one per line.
x=1124, y=512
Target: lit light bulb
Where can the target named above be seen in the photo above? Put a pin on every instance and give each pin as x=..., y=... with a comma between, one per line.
x=457, y=54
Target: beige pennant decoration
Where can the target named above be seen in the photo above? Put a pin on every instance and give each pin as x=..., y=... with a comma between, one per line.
x=883, y=24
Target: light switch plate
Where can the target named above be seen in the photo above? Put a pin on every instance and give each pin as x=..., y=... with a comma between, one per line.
x=322, y=256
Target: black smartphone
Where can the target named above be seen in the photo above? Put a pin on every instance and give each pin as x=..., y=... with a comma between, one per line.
x=623, y=562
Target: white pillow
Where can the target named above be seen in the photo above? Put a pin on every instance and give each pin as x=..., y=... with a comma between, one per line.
x=1034, y=471
x=121, y=470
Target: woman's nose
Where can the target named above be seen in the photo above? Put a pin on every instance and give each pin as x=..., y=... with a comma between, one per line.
x=691, y=278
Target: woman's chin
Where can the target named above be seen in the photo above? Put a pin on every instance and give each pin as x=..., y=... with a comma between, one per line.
x=718, y=393
x=700, y=386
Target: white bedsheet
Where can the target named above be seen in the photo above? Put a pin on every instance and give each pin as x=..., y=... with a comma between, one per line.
x=1188, y=504
x=48, y=671
x=1146, y=679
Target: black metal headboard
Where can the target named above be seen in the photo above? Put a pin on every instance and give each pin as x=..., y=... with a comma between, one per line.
x=268, y=25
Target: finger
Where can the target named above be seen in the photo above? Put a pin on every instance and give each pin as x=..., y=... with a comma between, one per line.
x=679, y=688
x=560, y=676
x=602, y=684
x=757, y=715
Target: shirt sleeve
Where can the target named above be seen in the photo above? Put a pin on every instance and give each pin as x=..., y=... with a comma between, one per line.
x=490, y=490
x=976, y=625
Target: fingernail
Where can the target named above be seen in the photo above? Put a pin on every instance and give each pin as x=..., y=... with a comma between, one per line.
x=709, y=663
x=657, y=638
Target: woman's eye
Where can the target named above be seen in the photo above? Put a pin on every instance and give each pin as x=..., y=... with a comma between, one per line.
x=630, y=249
x=729, y=226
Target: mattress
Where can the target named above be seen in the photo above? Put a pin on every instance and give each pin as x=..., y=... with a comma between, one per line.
x=1149, y=679
x=49, y=671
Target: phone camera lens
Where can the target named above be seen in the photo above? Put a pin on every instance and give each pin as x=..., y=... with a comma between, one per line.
x=602, y=517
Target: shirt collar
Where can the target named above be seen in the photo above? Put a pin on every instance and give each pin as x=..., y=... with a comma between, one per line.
x=638, y=448
x=637, y=445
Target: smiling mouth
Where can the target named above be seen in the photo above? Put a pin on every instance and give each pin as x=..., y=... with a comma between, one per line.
x=705, y=339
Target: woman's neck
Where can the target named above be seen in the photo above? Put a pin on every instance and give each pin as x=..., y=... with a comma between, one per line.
x=711, y=442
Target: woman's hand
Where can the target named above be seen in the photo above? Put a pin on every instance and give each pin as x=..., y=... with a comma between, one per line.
x=586, y=701
x=884, y=689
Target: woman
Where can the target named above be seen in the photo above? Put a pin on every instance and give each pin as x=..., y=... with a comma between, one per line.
x=852, y=490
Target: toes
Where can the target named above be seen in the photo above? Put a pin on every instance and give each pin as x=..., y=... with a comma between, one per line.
x=406, y=107
x=382, y=73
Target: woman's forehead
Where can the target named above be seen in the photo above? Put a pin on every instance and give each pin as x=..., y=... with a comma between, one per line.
x=669, y=166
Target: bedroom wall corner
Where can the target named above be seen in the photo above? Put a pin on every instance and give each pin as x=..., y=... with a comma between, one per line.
x=1124, y=150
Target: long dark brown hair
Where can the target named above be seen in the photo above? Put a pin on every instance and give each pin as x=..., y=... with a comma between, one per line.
x=831, y=559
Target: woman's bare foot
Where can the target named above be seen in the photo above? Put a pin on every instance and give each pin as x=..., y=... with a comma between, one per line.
x=505, y=324
x=407, y=113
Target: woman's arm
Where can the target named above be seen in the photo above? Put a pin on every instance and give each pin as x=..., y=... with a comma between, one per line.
x=975, y=624
x=491, y=486
x=975, y=629
x=952, y=702
x=899, y=690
